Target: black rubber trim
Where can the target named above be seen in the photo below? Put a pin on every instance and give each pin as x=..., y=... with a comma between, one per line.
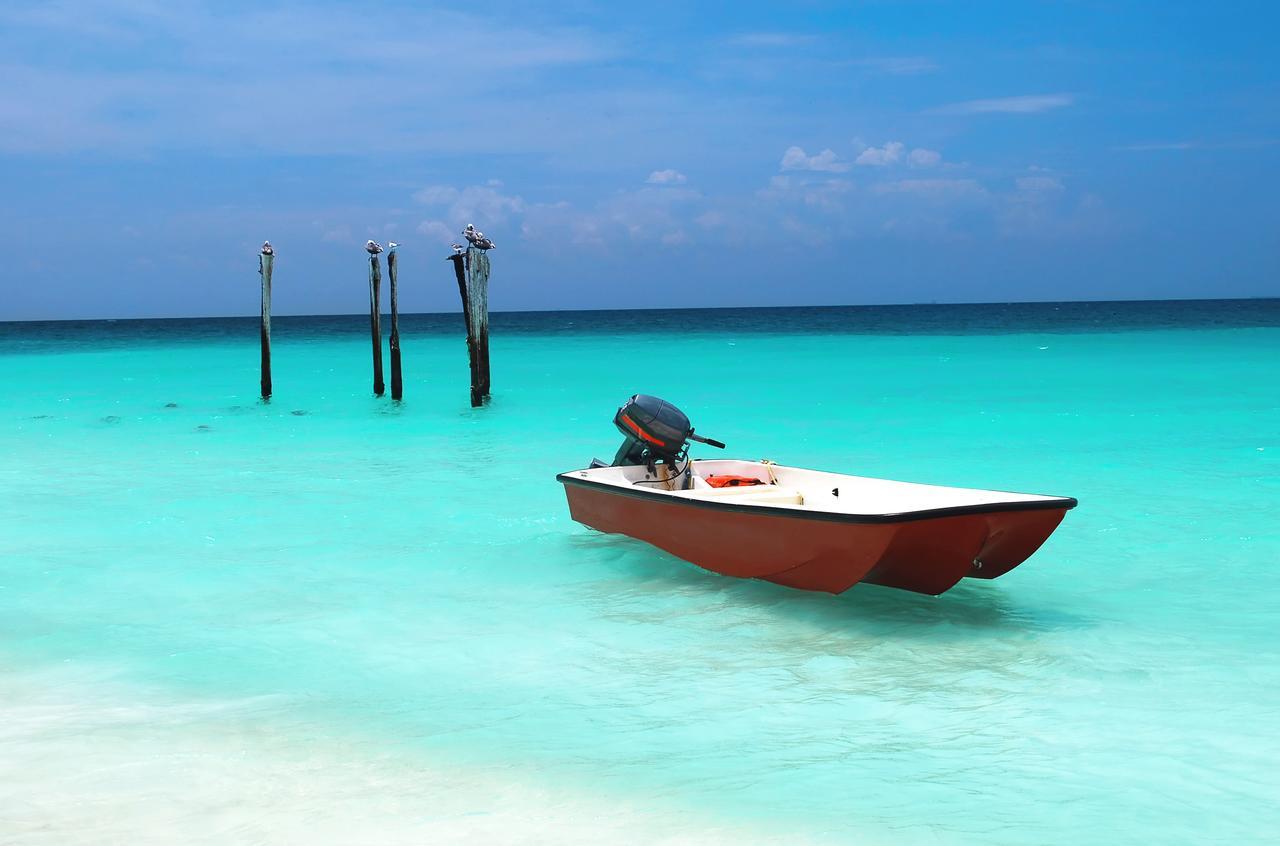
x=1064, y=502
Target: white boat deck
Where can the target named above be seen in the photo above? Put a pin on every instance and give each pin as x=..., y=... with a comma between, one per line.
x=809, y=490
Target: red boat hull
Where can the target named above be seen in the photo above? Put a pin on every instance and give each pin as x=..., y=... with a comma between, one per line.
x=928, y=555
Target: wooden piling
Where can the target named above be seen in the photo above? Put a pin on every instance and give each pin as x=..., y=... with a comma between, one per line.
x=471, y=268
x=375, y=315
x=460, y=271
x=265, y=262
x=477, y=312
x=397, y=384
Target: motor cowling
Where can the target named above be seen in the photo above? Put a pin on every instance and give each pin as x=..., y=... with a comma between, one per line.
x=653, y=430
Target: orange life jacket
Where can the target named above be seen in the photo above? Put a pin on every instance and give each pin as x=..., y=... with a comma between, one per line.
x=732, y=481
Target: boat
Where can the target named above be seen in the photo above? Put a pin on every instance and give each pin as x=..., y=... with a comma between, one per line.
x=806, y=529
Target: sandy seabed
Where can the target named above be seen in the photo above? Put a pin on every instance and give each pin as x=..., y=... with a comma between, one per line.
x=118, y=764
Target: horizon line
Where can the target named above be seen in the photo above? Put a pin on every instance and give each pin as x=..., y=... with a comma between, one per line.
x=668, y=308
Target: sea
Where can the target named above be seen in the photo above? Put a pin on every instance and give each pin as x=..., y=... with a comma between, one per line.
x=336, y=618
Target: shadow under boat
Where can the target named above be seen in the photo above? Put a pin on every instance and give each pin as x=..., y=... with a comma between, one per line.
x=970, y=609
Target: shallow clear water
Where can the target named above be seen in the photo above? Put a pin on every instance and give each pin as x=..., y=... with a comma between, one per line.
x=336, y=617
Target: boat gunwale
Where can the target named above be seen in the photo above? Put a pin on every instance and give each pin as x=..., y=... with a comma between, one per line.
x=1065, y=503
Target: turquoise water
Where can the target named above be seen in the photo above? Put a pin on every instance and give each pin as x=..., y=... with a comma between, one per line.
x=343, y=619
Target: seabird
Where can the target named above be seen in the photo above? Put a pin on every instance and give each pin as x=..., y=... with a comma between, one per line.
x=458, y=249
x=476, y=238
x=391, y=245
x=372, y=247
x=267, y=249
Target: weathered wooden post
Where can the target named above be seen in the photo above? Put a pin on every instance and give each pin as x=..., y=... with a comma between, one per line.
x=459, y=259
x=265, y=261
x=478, y=320
x=472, y=271
x=375, y=314
x=397, y=385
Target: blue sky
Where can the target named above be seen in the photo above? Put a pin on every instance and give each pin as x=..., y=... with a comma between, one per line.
x=635, y=155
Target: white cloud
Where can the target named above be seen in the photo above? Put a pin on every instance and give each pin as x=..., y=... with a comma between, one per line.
x=436, y=194
x=483, y=205
x=889, y=154
x=67, y=87
x=1039, y=206
x=645, y=215
x=822, y=193
x=827, y=195
x=920, y=157
x=1024, y=105
x=437, y=230
x=827, y=161
x=666, y=177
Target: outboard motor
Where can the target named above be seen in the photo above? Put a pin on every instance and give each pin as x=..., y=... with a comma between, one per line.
x=654, y=430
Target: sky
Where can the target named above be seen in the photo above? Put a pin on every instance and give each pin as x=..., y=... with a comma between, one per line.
x=635, y=155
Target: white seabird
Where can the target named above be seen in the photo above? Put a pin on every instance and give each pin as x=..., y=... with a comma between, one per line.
x=476, y=238
x=391, y=245
x=267, y=249
x=373, y=247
